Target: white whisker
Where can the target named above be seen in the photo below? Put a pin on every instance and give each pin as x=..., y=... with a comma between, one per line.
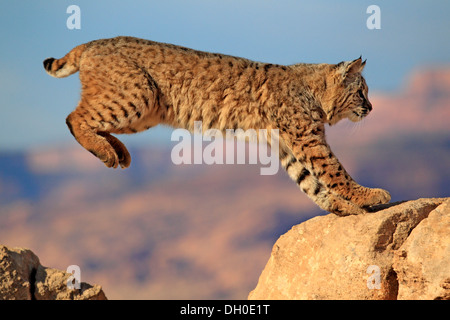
x=357, y=126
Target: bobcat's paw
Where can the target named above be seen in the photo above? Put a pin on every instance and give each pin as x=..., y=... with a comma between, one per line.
x=373, y=197
x=347, y=208
x=340, y=207
x=122, y=156
x=107, y=155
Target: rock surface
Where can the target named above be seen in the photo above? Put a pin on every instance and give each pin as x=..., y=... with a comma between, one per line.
x=22, y=277
x=422, y=263
x=399, y=251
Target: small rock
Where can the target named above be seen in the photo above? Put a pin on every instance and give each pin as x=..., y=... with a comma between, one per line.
x=22, y=277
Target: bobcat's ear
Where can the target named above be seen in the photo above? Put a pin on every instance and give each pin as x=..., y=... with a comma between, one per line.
x=349, y=69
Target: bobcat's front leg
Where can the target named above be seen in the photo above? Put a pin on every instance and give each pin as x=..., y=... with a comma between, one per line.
x=328, y=168
x=315, y=154
x=315, y=190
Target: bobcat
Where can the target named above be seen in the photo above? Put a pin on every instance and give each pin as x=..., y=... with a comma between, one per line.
x=130, y=85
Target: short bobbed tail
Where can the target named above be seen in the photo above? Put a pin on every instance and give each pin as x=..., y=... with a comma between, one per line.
x=64, y=67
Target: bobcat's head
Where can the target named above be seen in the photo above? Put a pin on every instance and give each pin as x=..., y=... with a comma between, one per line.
x=346, y=92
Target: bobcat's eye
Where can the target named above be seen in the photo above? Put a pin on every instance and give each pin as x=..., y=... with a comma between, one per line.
x=361, y=95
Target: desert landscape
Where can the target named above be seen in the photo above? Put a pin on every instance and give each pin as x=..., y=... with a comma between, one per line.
x=162, y=231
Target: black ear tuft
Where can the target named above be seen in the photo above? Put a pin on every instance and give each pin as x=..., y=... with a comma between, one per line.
x=340, y=64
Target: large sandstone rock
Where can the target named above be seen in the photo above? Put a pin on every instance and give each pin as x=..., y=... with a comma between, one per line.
x=422, y=263
x=22, y=277
x=401, y=251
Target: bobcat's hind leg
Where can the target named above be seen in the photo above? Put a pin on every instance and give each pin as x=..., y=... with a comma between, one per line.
x=113, y=102
x=104, y=146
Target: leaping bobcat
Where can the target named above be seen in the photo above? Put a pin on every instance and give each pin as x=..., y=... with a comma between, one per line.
x=130, y=85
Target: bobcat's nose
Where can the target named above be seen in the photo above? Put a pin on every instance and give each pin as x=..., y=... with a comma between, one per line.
x=366, y=108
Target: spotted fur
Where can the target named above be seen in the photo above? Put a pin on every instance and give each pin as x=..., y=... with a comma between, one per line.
x=130, y=85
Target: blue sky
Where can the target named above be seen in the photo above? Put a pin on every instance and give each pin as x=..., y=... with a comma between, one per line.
x=33, y=106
